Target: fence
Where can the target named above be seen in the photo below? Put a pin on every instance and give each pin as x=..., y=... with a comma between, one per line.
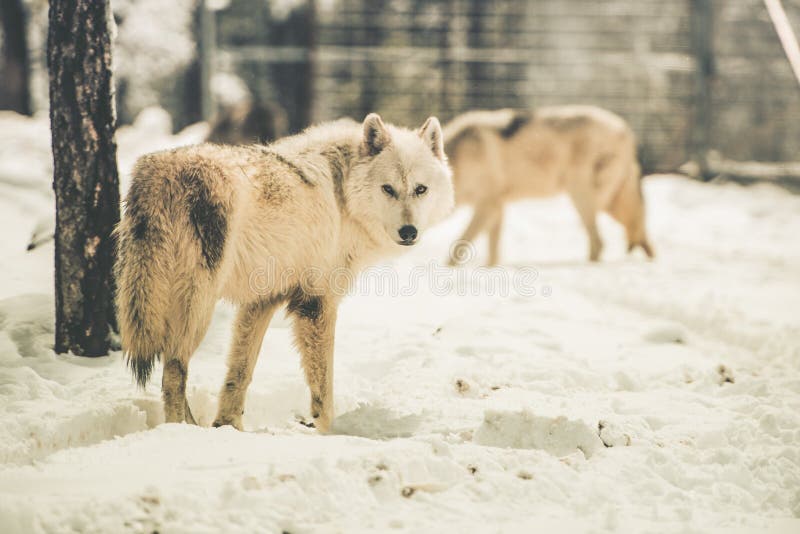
x=690, y=75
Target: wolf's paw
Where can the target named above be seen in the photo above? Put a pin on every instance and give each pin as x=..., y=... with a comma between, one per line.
x=321, y=414
x=595, y=248
x=235, y=422
x=322, y=423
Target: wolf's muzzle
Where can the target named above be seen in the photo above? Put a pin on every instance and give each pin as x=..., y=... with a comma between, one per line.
x=408, y=235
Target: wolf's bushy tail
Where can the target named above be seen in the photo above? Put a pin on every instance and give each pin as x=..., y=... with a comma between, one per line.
x=143, y=281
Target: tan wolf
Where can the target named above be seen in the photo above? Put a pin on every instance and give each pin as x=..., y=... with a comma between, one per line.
x=261, y=226
x=504, y=155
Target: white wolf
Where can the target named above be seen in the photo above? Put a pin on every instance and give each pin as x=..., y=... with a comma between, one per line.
x=200, y=222
x=504, y=155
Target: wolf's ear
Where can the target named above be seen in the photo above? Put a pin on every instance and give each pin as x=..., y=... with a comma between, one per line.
x=376, y=136
x=431, y=133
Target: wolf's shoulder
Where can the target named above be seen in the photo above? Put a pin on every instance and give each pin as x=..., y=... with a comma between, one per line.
x=319, y=153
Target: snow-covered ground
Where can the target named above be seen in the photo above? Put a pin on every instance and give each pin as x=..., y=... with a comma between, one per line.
x=553, y=396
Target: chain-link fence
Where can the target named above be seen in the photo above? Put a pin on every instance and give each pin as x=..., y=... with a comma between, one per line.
x=689, y=75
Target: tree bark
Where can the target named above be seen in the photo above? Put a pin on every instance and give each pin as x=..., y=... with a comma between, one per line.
x=85, y=176
x=14, y=65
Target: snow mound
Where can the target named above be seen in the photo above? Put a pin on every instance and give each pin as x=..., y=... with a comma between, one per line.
x=26, y=324
x=376, y=423
x=45, y=408
x=559, y=436
x=622, y=433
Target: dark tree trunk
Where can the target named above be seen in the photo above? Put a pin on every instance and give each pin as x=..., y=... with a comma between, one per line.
x=85, y=173
x=14, y=65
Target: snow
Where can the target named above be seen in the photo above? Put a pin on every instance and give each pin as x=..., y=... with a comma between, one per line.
x=229, y=89
x=627, y=396
x=154, y=42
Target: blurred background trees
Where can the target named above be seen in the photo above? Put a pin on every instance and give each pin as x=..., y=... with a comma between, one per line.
x=689, y=75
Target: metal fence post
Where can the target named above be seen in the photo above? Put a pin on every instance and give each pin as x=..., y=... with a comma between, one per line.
x=701, y=21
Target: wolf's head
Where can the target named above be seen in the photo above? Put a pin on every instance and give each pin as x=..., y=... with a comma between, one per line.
x=400, y=181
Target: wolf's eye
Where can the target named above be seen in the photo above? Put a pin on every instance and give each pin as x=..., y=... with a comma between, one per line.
x=420, y=190
x=389, y=190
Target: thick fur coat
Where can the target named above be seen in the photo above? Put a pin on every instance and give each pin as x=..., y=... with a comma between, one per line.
x=262, y=226
x=505, y=155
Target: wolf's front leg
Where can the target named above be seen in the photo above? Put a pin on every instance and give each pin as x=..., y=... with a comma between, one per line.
x=487, y=215
x=251, y=324
x=314, y=325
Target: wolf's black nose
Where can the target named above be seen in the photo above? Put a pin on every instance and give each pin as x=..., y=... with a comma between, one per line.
x=408, y=233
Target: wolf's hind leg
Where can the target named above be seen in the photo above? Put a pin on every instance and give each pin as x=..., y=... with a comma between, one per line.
x=628, y=208
x=251, y=323
x=314, y=326
x=173, y=390
x=186, y=329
